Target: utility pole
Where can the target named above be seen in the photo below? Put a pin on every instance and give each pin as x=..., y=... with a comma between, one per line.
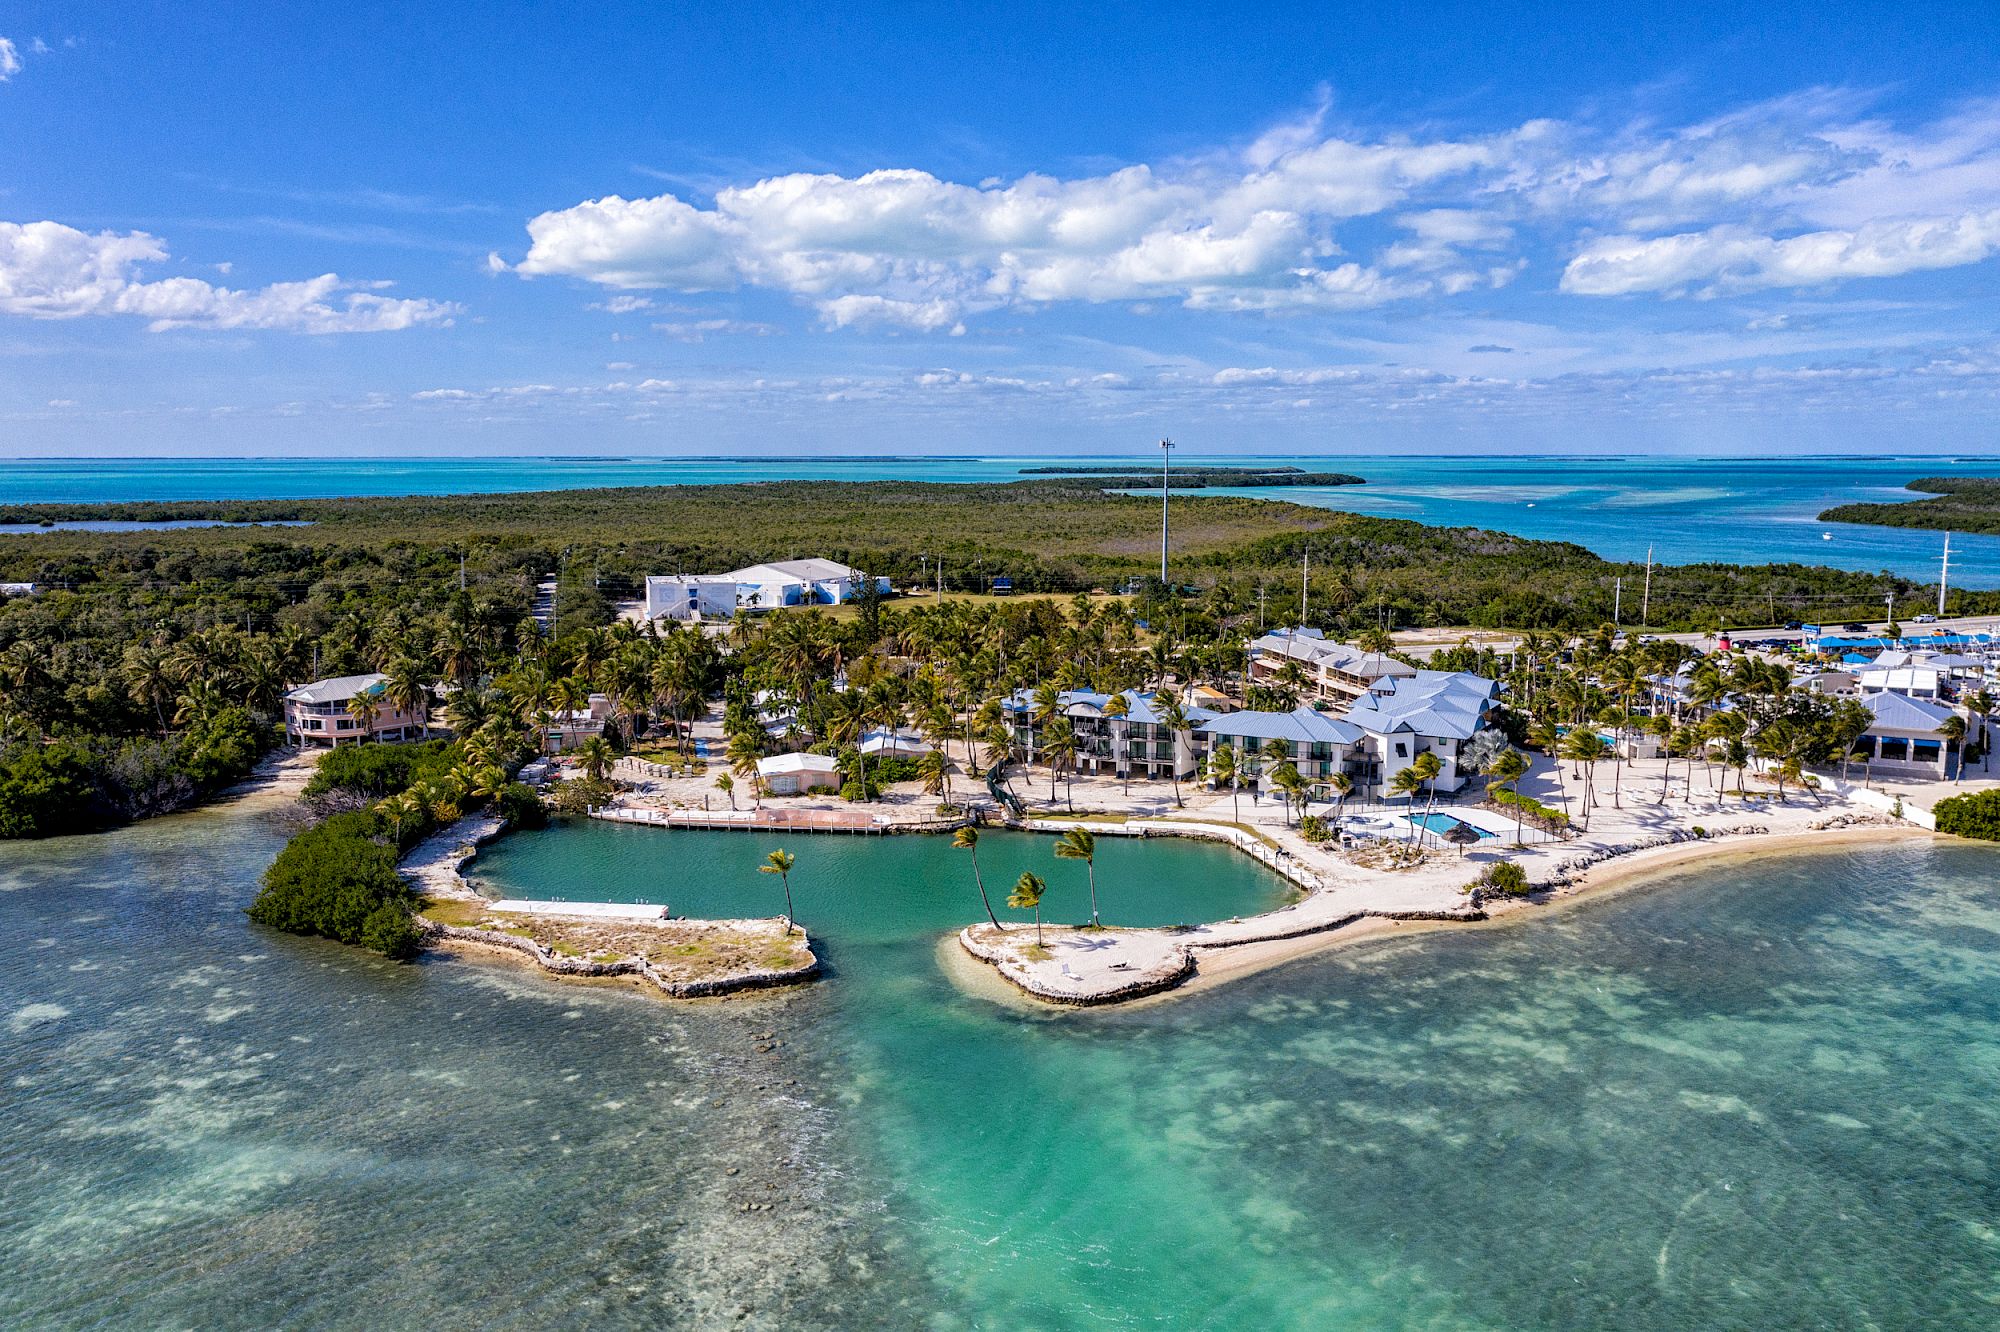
x=1944, y=572
x=1646, y=602
x=1305, y=566
x=1617, y=598
x=1891, y=600
x=1166, y=468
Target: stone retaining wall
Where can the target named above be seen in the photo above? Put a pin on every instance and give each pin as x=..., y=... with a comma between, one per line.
x=626, y=966
x=1145, y=983
x=1567, y=872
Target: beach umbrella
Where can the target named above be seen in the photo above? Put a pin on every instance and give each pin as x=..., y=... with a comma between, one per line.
x=1461, y=835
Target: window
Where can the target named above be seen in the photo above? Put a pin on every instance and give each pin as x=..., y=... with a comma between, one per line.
x=1895, y=749
x=1925, y=751
x=1402, y=750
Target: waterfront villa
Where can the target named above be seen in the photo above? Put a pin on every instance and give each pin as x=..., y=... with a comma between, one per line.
x=1333, y=671
x=811, y=582
x=318, y=714
x=795, y=774
x=1907, y=737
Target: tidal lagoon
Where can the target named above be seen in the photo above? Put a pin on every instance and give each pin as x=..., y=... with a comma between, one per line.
x=1760, y=1093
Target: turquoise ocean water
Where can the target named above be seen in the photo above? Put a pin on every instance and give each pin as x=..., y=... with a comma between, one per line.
x=1684, y=509
x=1754, y=1094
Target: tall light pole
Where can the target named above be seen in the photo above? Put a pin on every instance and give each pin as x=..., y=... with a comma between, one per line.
x=1166, y=468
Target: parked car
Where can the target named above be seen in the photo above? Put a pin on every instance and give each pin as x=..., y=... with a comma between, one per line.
x=1924, y=619
x=1852, y=628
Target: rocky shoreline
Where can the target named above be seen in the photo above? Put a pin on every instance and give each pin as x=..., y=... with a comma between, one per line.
x=559, y=964
x=435, y=868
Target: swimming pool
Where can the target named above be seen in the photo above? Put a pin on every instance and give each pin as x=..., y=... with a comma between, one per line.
x=1444, y=823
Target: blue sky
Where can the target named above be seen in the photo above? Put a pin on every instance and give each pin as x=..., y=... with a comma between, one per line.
x=404, y=229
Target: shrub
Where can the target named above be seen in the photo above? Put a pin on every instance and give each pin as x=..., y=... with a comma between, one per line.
x=224, y=748
x=1315, y=829
x=378, y=770
x=854, y=792
x=388, y=930
x=520, y=806
x=48, y=791
x=576, y=798
x=1975, y=814
x=333, y=880
x=1532, y=808
x=1503, y=877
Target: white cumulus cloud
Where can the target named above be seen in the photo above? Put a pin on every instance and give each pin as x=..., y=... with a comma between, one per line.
x=1793, y=191
x=10, y=59
x=1725, y=259
x=51, y=271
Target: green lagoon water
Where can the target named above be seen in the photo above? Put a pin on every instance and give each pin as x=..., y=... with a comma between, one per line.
x=1763, y=1094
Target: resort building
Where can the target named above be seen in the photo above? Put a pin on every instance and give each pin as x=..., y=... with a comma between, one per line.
x=1907, y=738
x=1332, y=671
x=1318, y=744
x=319, y=714
x=17, y=589
x=1137, y=744
x=1433, y=712
x=795, y=774
x=811, y=582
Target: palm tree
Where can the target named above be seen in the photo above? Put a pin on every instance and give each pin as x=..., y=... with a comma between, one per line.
x=780, y=863
x=1980, y=703
x=1173, y=719
x=727, y=785
x=1343, y=787
x=1406, y=782
x=967, y=839
x=936, y=774
x=1427, y=766
x=1081, y=844
x=407, y=690
x=1059, y=750
x=364, y=709
x=743, y=753
x=596, y=757
x=402, y=810
x=1291, y=787
x=1507, y=770
x=1116, y=710
x=148, y=679
x=1027, y=894
x=1222, y=769
x=1952, y=728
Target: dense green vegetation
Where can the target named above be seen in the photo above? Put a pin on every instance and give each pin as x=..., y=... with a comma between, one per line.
x=1973, y=815
x=1958, y=504
x=338, y=878
x=83, y=780
x=157, y=659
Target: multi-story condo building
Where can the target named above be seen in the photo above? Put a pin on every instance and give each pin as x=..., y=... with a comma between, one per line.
x=1332, y=671
x=1137, y=744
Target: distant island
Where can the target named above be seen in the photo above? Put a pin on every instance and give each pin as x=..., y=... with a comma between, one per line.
x=1200, y=478
x=1956, y=504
